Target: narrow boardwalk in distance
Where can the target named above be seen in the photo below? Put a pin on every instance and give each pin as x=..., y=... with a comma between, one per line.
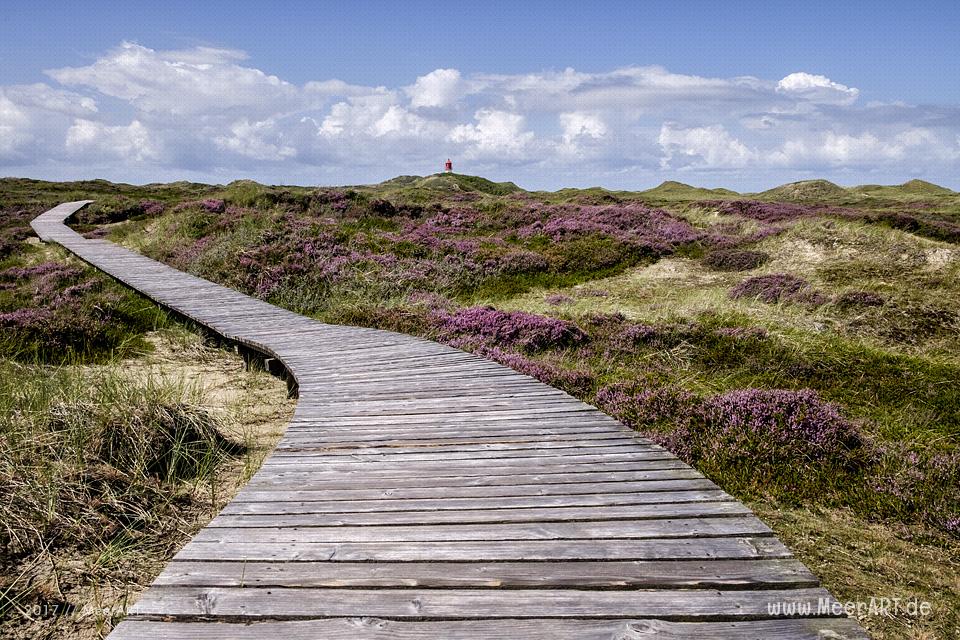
x=423, y=492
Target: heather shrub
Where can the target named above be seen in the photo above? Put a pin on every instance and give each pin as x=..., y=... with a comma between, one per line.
x=777, y=287
x=383, y=208
x=511, y=329
x=928, y=226
x=859, y=299
x=577, y=382
x=648, y=408
x=734, y=260
x=213, y=205
x=917, y=485
x=558, y=299
x=762, y=211
x=756, y=441
x=52, y=312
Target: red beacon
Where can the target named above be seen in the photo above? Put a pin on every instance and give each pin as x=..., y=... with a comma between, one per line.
x=448, y=166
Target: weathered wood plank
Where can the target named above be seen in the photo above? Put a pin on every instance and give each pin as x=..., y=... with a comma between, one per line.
x=443, y=503
x=528, y=629
x=479, y=551
x=716, y=574
x=299, y=476
x=362, y=482
x=251, y=494
x=499, y=515
x=693, y=527
x=665, y=604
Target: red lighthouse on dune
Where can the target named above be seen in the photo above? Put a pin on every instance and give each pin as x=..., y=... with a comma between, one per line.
x=448, y=166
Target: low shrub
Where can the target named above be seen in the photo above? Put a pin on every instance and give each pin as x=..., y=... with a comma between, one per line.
x=859, y=299
x=516, y=329
x=53, y=312
x=777, y=287
x=734, y=260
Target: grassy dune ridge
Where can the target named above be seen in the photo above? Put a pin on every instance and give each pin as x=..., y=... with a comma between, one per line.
x=799, y=346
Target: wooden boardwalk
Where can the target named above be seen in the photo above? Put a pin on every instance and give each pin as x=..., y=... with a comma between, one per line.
x=423, y=492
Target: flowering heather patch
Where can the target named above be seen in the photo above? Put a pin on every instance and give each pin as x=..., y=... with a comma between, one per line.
x=336, y=199
x=762, y=211
x=735, y=260
x=50, y=312
x=632, y=224
x=558, y=299
x=636, y=334
x=57, y=269
x=151, y=207
x=778, y=287
x=430, y=300
x=213, y=205
x=576, y=382
x=517, y=261
x=918, y=483
x=648, y=407
x=26, y=318
x=774, y=423
x=517, y=329
x=758, y=439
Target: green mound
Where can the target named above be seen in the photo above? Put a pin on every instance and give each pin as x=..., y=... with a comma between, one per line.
x=672, y=190
x=909, y=189
x=924, y=188
x=461, y=182
x=804, y=190
x=401, y=181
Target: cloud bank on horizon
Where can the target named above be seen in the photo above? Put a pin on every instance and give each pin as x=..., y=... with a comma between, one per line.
x=140, y=114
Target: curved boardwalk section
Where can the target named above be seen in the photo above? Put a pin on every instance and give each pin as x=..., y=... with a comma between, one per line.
x=423, y=492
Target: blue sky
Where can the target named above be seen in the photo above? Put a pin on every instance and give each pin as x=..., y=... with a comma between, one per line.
x=744, y=95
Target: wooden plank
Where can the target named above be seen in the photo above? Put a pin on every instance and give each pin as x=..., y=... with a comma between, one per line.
x=673, y=605
x=251, y=494
x=472, y=452
x=457, y=460
x=317, y=473
x=647, y=574
x=498, y=515
x=357, y=481
x=446, y=503
x=693, y=527
x=369, y=628
x=480, y=551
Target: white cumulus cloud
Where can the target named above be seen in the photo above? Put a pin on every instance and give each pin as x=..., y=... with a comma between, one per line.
x=257, y=140
x=709, y=147
x=123, y=142
x=817, y=88
x=495, y=133
x=181, y=82
x=439, y=88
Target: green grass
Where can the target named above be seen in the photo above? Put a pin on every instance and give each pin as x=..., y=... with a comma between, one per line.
x=93, y=461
